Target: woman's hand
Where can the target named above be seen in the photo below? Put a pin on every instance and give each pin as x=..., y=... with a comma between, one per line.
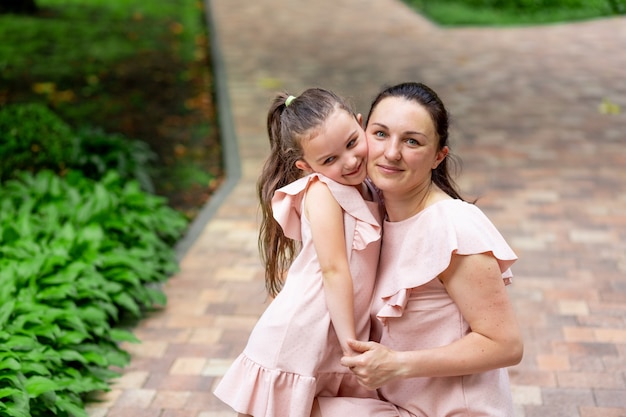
x=374, y=365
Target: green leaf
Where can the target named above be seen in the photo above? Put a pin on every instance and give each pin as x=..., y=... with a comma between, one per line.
x=18, y=342
x=112, y=287
x=55, y=260
x=17, y=411
x=74, y=322
x=71, y=337
x=122, y=258
x=103, y=374
x=75, y=410
x=7, y=280
x=71, y=355
x=157, y=296
x=125, y=300
x=9, y=363
x=58, y=292
x=96, y=358
x=83, y=385
x=118, y=357
x=4, y=336
x=28, y=270
x=37, y=385
x=120, y=335
x=44, y=354
x=5, y=311
x=91, y=233
x=6, y=392
x=49, y=331
x=111, y=309
x=34, y=368
x=67, y=233
x=11, y=377
x=93, y=315
x=124, y=275
x=73, y=271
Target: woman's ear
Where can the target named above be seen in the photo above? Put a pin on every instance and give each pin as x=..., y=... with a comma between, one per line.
x=302, y=165
x=441, y=155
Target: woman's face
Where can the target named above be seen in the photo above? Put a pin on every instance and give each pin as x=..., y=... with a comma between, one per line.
x=337, y=150
x=403, y=146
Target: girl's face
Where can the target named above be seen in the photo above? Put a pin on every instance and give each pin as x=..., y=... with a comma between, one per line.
x=403, y=146
x=338, y=150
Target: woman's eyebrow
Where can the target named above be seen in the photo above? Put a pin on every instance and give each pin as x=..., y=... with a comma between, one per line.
x=408, y=132
x=412, y=132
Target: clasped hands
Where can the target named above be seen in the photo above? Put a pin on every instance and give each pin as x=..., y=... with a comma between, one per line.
x=373, y=364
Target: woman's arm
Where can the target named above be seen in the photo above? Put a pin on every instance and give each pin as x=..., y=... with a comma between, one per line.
x=475, y=284
x=326, y=218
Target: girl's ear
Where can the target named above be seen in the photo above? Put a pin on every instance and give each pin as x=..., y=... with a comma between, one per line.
x=302, y=165
x=359, y=118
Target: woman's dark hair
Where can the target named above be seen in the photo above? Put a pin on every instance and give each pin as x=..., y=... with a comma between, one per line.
x=290, y=121
x=427, y=98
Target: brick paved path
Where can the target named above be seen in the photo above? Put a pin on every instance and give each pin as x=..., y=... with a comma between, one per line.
x=548, y=165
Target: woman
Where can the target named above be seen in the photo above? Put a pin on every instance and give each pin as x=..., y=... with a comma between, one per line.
x=442, y=315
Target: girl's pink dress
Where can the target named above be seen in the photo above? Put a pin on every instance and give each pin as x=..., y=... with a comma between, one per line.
x=293, y=352
x=413, y=311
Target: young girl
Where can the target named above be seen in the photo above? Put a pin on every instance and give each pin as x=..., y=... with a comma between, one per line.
x=320, y=228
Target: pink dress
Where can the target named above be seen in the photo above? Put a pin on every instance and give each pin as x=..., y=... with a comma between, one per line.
x=293, y=352
x=413, y=311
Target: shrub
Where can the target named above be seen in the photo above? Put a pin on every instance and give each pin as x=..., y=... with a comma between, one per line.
x=77, y=257
x=99, y=152
x=33, y=138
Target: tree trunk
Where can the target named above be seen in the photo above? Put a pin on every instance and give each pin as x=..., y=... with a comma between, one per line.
x=18, y=6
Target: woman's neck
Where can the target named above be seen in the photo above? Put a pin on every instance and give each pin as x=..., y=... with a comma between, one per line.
x=402, y=207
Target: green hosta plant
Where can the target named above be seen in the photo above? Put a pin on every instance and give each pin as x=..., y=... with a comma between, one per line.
x=77, y=256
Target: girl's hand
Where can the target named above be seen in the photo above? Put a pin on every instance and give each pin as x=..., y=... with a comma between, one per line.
x=374, y=365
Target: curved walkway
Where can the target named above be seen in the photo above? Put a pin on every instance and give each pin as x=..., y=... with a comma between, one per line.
x=539, y=148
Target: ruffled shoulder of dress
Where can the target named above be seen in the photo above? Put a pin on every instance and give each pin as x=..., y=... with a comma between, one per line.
x=287, y=207
x=420, y=248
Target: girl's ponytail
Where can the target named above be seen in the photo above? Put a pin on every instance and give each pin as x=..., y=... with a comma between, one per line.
x=276, y=250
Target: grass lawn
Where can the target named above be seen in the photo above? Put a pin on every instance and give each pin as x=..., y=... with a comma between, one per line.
x=514, y=12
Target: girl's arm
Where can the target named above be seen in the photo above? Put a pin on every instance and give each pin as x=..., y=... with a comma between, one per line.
x=475, y=284
x=326, y=218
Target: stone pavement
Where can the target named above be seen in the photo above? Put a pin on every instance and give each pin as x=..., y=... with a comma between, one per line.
x=538, y=147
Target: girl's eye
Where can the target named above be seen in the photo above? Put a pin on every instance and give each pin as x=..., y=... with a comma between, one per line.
x=351, y=144
x=328, y=160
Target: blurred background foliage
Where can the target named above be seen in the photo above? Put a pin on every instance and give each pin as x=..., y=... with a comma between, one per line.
x=137, y=70
x=515, y=12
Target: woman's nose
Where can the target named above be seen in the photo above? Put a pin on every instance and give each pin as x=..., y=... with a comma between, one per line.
x=392, y=150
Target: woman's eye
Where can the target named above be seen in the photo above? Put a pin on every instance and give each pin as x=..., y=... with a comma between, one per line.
x=412, y=142
x=379, y=134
